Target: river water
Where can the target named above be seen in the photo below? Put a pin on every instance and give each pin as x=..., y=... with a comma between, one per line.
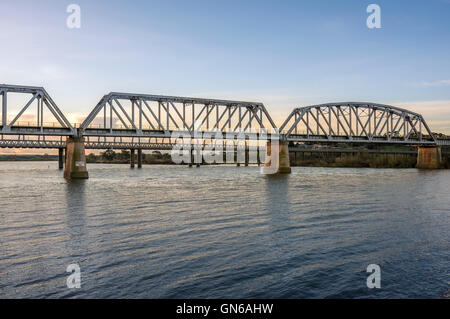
x=223, y=232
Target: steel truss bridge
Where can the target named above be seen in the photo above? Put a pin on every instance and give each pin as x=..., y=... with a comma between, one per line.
x=141, y=121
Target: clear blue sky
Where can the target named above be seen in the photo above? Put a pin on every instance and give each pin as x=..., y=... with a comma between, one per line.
x=283, y=53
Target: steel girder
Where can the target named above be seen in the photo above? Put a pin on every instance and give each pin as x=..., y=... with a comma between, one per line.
x=141, y=115
x=443, y=142
x=359, y=122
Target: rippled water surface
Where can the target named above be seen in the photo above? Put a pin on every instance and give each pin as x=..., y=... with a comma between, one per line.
x=213, y=232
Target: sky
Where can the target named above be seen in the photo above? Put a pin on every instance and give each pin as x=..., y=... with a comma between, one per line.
x=285, y=54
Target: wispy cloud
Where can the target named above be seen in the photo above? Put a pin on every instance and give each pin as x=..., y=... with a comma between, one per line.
x=432, y=83
x=436, y=113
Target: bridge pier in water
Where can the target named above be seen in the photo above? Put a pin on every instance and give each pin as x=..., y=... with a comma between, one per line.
x=75, y=159
x=257, y=156
x=132, y=158
x=61, y=158
x=195, y=157
x=198, y=156
x=429, y=157
x=139, y=157
x=284, y=165
x=247, y=155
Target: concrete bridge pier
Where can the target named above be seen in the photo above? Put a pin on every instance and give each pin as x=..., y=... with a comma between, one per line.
x=429, y=157
x=139, y=157
x=75, y=159
x=61, y=158
x=284, y=166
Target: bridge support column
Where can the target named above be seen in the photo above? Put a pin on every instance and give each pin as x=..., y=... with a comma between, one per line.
x=132, y=158
x=198, y=155
x=284, y=166
x=224, y=149
x=139, y=157
x=429, y=157
x=191, y=158
x=247, y=156
x=60, y=158
x=75, y=159
x=257, y=156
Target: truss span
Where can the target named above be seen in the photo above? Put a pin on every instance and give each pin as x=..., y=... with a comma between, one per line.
x=27, y=110
x=142, y=115
x=25, y=113
x=358, y=122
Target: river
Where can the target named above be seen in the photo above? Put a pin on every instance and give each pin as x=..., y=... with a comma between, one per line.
x=223, y=232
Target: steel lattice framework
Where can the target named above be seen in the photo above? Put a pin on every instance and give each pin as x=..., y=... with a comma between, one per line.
x=39, y=98
x=141, y=115
x=142, y=121
x=356, y=122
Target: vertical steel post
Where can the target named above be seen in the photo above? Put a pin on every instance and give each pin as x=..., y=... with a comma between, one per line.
x=246, y=153
x=42, y=113
x=159, y=115
x=38, y=110
x=104, y=116
x=110, y=117
x=4, y=111
x=140, y=114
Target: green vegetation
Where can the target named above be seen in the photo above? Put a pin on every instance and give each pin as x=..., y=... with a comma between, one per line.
x=110, y=156
x=361, y=159
x=24, y=157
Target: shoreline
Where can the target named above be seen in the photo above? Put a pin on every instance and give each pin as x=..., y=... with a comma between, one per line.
x=305, y=164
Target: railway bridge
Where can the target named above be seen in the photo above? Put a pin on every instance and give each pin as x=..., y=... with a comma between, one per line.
x=142, y=121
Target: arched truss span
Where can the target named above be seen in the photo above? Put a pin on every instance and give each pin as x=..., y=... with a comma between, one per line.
x=356, y=122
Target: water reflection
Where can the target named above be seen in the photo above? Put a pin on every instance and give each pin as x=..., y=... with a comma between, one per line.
x=277, y=210
x=75, y=217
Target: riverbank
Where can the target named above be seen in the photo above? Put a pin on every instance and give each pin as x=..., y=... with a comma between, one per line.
x=31, y=158
x=361, y=159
